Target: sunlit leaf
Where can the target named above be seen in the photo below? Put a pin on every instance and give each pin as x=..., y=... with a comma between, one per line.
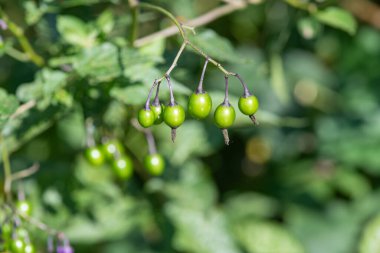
x=338, y=18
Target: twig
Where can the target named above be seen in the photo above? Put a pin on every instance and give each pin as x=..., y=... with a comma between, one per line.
x=23, y=108
x=134, y=25
x=7, y=172
x=39, y=224
x=25, y=173
x=24, y=42
x=199, y=21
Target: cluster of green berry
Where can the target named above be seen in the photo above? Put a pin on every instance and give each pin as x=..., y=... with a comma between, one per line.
x=14, y=236
x=199, y=107
x=122, y=164
x=14, y=230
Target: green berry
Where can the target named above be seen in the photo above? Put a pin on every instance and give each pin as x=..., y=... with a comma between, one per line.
x=248, y=105
x=113, y=149
x=95, y=155
x=17, y=246
x=200, y=105
x=123, y=167
x=24, y=207
x=224, y=116
x=29, y=248
x=146, y=118
x=158, y=115
x=155, y=164
x=174, y=115
x=6, y=231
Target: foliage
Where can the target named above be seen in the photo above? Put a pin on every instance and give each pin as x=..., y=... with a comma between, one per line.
x=304, y=180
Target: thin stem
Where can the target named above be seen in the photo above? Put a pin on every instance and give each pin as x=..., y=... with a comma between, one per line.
x=90, y=129
x=134, y=25
x=156, y=101
x=175, y=61
x=147, y=103
x=16, y=54
x=25, y=44
x=200, y=86
x=7, y=172
x=214, y=62
x=245, y=87
x=172, y=100
x=148, y=135
x=198, y=21
x=166, y=13
x=226, y=101
x=25, y=173
x=40, y=225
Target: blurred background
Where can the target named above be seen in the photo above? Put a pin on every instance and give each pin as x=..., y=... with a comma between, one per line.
x=306, y=179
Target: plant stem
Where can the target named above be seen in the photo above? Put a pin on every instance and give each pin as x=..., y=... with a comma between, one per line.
x=25, y=45
x=156, y=101
x=39, y=224
x=200, y=86
x=166, y=13
x=7, y=172
x=226, y=102
x=147, y=103
x=185, y=38
x=134, y=25
x=175, y=61
x=246, y=91
x=148, y=135
x=172, y=100
x=198, y=21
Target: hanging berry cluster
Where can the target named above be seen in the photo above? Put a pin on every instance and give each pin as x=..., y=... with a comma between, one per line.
x=199, y=105
x=15, y=236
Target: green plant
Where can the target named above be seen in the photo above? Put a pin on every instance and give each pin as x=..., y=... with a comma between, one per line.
x=74, y=75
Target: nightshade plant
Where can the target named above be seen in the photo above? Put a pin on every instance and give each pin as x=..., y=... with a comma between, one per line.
x=88, y=102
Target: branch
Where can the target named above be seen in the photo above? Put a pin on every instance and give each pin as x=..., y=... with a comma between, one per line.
x=7, y=172
x=25, y=173
x=23, y=108
x=199, y=21
x=42, y=226
x=24, y=42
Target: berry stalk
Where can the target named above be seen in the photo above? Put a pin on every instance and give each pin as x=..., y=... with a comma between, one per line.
x=200, y=86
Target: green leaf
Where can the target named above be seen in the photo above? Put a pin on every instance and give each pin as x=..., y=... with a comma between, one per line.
x=250, y=205
x=76, y=32
x=106, y=22
x=338, y=18
x=131, y=95
x=193, y=182
x=266, y=237
x=46, y=83
x=33, y=12
x=100, y=62
x=8, y=106
x=200, y=232
x=369, y=242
